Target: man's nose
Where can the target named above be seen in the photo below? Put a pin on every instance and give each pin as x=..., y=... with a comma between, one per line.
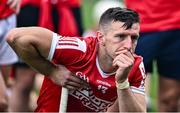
x=128, y=43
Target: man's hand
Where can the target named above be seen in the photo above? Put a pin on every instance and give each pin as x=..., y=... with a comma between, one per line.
x=14, y=4
x=124, y=61
x=63, y=77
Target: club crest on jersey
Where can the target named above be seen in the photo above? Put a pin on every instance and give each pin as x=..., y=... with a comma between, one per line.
x=72, y=43
x=82, y=76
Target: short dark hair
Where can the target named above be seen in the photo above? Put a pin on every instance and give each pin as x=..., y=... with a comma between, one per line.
x=128, y=16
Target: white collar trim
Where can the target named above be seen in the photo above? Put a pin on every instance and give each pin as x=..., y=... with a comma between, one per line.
x=103, y=74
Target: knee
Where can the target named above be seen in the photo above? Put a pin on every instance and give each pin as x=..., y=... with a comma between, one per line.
x=24, y=80
x=24, y=86
x=169, y=101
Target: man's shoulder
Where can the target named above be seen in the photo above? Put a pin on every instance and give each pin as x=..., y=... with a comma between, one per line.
x=87, y=39
x=138, y=58
x=139, y=65
x=79, y=43
x=74, y=49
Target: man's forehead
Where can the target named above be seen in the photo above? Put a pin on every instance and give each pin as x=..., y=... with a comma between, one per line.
x=120, y=25
x=135, y=26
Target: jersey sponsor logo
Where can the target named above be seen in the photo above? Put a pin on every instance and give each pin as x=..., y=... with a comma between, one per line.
x=72, y=43
x=90, y=101
x=87, y=97
x=103, y=83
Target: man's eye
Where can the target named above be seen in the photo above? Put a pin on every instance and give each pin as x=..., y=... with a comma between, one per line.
x=121, y=37
x=134, y=38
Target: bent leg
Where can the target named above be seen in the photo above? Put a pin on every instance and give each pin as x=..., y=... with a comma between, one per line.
x=168, y=95
x=3, y=96
x=19, y=100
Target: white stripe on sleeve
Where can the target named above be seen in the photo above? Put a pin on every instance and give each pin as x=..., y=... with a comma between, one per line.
x=54, y=43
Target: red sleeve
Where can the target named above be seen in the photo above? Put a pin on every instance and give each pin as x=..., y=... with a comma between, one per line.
x=137, y=75
x=72, y=50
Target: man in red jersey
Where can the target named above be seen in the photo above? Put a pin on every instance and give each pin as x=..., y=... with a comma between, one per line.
x=55, y=15
x=159, y=41
x=103, y=73
x=8, y=8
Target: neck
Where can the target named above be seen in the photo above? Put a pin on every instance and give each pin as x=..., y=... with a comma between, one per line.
x=105, y=61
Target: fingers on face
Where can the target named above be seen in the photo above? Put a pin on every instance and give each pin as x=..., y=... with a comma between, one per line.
x=124, y=60
x=121, y=51
x=129, y=54
x=125, y=51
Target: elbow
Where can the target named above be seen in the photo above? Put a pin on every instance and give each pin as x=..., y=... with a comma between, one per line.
x=12, y=35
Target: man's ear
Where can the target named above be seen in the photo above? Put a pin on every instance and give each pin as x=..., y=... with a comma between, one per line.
x=101, y=38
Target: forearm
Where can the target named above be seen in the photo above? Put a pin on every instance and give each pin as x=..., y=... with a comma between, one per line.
x=128, y=102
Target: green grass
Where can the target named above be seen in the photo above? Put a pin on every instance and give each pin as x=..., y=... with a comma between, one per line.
x=154, y=88
x=87, y=8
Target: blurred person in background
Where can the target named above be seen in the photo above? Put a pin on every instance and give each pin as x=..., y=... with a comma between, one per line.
x=58, y=15
x=8, y=11
x=3, y=95
x=160, y=41
x=22, y=74
x=63, y=17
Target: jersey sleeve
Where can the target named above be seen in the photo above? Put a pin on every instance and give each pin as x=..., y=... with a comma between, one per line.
x=137, y=76
x=54, y=42
x=68, y=50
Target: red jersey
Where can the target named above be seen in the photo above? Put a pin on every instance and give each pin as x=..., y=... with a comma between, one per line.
x=5, y=10
x=158, y=15
x=79, y=55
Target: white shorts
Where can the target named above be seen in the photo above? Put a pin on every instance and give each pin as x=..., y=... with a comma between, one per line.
x=7, y=55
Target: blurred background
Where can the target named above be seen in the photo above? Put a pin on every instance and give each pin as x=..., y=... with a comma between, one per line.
x=90, y=12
